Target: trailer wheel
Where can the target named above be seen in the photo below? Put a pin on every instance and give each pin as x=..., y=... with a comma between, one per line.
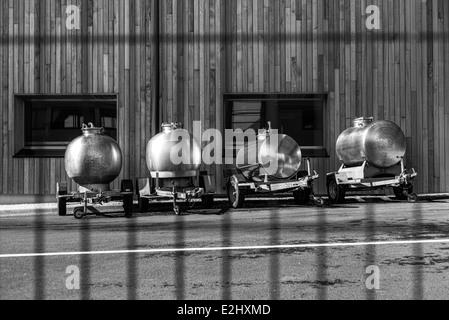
x=61, y=201
x=207, y=201
x=399, y=191
x=127, y=186
x=335, y=192
x=302, y=196
x=62, y=206
x=128, y=205
x=78, y=214
x=236, y=196
x=143, y=204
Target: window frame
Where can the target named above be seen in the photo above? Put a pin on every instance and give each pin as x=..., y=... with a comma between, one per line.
x=50, y=149
x=308, y=151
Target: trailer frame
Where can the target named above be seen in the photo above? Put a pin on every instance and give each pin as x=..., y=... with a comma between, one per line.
x=91, y=199
x=201, y=186
x=301, y=185
x=367, y=177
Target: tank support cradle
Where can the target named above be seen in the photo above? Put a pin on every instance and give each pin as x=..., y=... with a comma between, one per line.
x=175, y=192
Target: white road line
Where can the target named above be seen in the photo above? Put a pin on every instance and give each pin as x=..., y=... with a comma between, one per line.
x=294, y=246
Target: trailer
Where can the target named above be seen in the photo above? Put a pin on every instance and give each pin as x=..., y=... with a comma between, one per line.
x=368, y=177
x=93, y=161
x=91, y=200
x=372, y=156
x=301, y=185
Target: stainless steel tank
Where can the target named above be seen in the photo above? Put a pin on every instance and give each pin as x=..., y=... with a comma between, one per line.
x=159, y=148
x=381, y=143
x=281, y=160
x=93, y=160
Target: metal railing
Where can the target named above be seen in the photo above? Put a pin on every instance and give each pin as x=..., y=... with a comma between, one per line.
x=274, y=269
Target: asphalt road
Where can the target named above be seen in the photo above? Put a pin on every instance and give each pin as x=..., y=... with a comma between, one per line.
x=295, y=270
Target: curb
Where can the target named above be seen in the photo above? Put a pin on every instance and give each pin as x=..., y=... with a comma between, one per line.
x=51, y=209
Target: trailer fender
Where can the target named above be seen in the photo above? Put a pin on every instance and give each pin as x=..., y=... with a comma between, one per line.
x=61, y=188
x=241, y=178
x=330, y=176
x=207, y=182
x=143, y=186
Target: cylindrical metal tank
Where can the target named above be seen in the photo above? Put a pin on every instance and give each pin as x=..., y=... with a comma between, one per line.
x=265, y=157
x=93, y=160
x=173, y=153
x=381, y=143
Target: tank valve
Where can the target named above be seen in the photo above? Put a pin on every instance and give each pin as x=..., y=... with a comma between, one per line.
x=268, y=131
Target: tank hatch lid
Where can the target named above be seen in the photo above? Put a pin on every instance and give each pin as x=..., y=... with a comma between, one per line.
x=90, y=128
x=361, y=122
x=171, y=126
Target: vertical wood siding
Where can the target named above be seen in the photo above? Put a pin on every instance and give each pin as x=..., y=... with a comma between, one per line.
x=113, y=52
x=399, y=73
x=192, y=66
x=210, y=47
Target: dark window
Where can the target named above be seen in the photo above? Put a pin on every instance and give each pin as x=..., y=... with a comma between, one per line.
x=300, y=116
x=247, y=114
x=50, y=124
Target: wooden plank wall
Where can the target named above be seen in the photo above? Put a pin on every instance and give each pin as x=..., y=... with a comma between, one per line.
x=113, y=52
x=210, y=47
x=192, y=60
x=399, y=73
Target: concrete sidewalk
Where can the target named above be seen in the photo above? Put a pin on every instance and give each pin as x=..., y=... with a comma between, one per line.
x=51, y=208
x=47, y=209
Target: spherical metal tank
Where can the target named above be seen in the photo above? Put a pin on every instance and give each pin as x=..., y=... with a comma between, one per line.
x=173, y=153
x=276, y=159
x=93, y=160
x=381, y=143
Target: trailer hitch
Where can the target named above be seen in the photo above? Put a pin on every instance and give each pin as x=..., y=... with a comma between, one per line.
x=405, y=178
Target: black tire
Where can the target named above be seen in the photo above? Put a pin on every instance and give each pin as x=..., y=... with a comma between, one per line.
x=62, y=206
x=207, y=201
x=236, y=196
x=335, y=192
x=128, y=205
x=127, y=186
x=62, y=202
x=144, y=204
x=399, y=191
x=78, y=214
x=302, y=196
